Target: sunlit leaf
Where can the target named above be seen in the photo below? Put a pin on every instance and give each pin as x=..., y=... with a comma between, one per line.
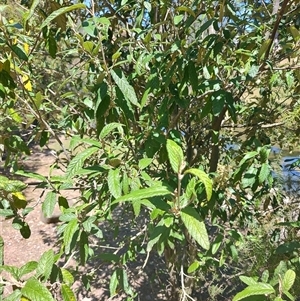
x=255, y=290
x=175, y=155
x=195, y=226
x=143, y=194
x=61, y=11
x=203, y=178
x=114, y=183
x=125, y=87
x=34, y=290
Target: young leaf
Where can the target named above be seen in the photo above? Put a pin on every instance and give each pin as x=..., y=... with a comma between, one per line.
x=193, y=267
x=195, y=226
x=125, y=88
x=204, y=178
x=143, y=194
x=34, y=290
x=175, y=155
x=143, y=163
x=61, y=11
x=114, y=184
x=254, y=290
x=49, y=204
x=288, y=280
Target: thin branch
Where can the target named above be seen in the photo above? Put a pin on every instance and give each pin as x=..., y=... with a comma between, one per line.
x=275, y=28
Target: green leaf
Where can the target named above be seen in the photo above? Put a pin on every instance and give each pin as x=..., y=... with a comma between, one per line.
x=193, y=267
x=175, y=155
x=113, y=284
x=288, y=280
x=263, y=48
x=45, y=264
x=155, y=236
x=88, y=46
x=31, y=175
x=69, y=232
x=76, y=140
x=114, y=184
x=34, y=290
x=67, y=293
x=11, y=185
x=61, y=11
x=125, y=88
x=288, y=247
x=25, y=230
x=248, y=280
x=27, y=268
x=193, y=76
x=254, y=290
x=145, y=162
x=77, y=162
x=265, y=276
x=143, y=194
x=67, y=277
x=49, y=204
x=109, y=128
x=178, y=19
x=187, y=10
x=248, y=156
x=264, y=172
x=19, y=52
x=16, y=295
x=217, y=243
x=203, y=178
x=31, y=11
x=195, y=226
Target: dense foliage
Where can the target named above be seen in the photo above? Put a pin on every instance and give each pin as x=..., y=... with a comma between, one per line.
x=171, y=109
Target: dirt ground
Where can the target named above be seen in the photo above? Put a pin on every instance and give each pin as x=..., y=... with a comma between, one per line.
x=149, y=283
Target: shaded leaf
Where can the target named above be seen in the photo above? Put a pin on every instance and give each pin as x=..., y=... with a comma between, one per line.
x=125, y=88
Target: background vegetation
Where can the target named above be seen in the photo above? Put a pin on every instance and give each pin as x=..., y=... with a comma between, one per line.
x=171, y=109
